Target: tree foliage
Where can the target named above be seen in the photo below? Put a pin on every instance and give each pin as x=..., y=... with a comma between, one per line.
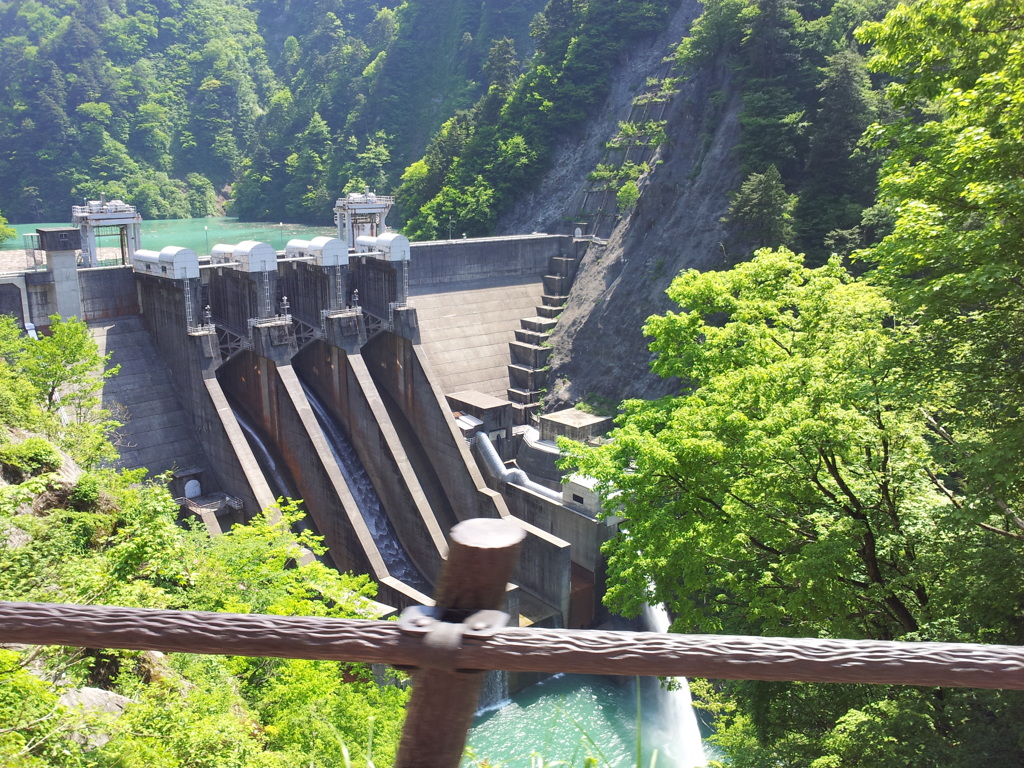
x=761, y=212
x=807, y=98
x=843, y=459
x=792, y=490
x=493, y=153
x=953, y=261
x=52, y=385
x=173, y=106
x=116, y=541
x=109, y=537
x=792, y=466
x=6, y=233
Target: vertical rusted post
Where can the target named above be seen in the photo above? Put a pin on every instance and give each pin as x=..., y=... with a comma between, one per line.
x=481, y=560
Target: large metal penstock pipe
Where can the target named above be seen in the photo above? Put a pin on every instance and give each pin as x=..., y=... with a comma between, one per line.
x=515, y=476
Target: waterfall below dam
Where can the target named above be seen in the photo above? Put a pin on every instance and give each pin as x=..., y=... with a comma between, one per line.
x=677, y=719
x=571, y=717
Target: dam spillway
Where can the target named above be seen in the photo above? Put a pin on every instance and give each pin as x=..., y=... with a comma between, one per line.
x=367, y=499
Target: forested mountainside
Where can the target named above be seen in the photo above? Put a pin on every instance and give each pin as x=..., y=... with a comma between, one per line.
x=758, y=142
x=459, y=105
x=169, y=104
x=482, y=117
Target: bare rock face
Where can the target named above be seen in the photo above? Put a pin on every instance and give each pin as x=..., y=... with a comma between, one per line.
x=599, y=350
x=94, y=701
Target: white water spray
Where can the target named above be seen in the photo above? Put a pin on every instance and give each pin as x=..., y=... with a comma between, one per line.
x=676, y=708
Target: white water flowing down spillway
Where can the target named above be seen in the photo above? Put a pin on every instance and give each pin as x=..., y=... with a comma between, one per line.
x=279, y=485
x=676, y=708
x=383, y=532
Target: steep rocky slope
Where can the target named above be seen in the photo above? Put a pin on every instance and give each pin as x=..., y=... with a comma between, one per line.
x=600, y=353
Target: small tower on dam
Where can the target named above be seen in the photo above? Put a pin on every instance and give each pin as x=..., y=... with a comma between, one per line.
x=60, y=246
x=381, y=263
x=99, y=218
x=361, y=215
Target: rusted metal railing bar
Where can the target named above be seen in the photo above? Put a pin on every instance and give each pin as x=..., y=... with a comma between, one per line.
x=515, y=649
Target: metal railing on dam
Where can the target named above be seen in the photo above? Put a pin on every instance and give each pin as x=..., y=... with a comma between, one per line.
x=448, y=647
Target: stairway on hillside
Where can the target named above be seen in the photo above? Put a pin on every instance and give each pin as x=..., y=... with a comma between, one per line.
x=528, y=370
x=156, y=434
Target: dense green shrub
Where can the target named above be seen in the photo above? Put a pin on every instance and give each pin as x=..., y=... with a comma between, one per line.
x=86, y=493
x=30, y=457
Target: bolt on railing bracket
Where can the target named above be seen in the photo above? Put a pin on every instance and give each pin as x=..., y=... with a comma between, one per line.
x=442, y=640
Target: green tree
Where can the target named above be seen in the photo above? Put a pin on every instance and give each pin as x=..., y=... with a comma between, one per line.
x=627, y=196
x=6, y=233
x=501, y=67
x=306, y=190
x=784, y=467
x=18, y=398
x=65, y=366
x=839, y=179
x=373, y=160
x=66, y=371
x=717, y=31
x=202, y=200
x=955, y=259
x=118, y=542
x=789, y=491
x=761, y=212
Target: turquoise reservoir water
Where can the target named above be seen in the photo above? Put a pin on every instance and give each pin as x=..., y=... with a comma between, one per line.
x=198, y=234
x=571, y=717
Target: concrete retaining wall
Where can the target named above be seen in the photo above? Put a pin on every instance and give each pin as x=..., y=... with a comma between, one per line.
x=398, y=370
x=453, y=261
x=326, y=493
x=308, y=289
x=586, y=534
x=12, y=299
x=42, y=298
x=104, y=293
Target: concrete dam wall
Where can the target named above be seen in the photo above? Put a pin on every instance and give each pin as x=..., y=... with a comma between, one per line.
x=289, y=373
x=293, y=377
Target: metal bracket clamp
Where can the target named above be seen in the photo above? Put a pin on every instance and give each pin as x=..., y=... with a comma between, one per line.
x=442, y=640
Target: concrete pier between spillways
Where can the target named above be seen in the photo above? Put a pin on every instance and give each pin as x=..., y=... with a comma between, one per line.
x=193, y=357
x=344, y=385
x=400, y=371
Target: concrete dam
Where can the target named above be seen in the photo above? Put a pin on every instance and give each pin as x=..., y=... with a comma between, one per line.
x=392, y=386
